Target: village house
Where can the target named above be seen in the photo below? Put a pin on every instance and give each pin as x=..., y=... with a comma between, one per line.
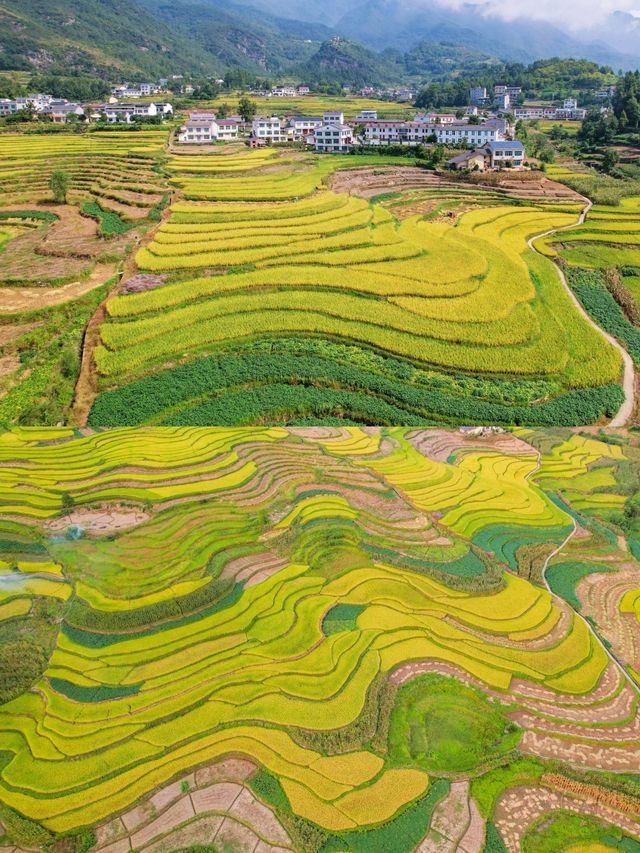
x=504, y=153
x=268, y=128
x=304, y=90
x=467, y=134
x=38, y=103
x=512, y=91
x=301, y=127
x=283, y=92
x=147, y=89
x=126, y=112
x=436, y=118
x=387, y=132
x=468, y=161
x=367, y=115
x=333, y=117
x=197, y=132
x=494, y=155
x=62, y=111
x=551, y=113
x=333, y=137
x=478, y=95
x=206, y=130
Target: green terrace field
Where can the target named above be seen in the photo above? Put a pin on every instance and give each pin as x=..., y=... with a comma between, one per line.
x=602, y=256
x=282, y=301
x=317, y=640
x=59, y=259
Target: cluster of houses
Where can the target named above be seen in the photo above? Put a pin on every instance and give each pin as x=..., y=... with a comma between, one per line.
x=138, y=90
x=569, y=111
x=504, y=99
x=60, y=111
x=332, y=134
x=281, y=92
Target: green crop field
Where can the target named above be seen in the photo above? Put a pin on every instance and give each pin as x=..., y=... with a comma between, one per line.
x=284, y=301
x=338, y=638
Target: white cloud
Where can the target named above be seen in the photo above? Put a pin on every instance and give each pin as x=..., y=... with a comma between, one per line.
x=574, y=14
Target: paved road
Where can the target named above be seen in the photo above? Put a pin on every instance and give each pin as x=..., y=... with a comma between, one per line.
x=628, y=384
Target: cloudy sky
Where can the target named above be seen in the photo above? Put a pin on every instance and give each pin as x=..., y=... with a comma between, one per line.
x=580, y=14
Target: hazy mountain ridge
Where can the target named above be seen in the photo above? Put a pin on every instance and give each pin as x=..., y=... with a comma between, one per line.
x=381, y=41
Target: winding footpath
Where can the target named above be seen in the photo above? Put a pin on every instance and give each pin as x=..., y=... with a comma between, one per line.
x=623, y=415
x=609, y=653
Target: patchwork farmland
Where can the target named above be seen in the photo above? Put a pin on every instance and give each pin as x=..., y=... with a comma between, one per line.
x=318, y=640
x=275, y=293
x=286, y=288
x=59, y=258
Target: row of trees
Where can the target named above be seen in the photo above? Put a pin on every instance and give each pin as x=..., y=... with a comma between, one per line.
x=626, y=103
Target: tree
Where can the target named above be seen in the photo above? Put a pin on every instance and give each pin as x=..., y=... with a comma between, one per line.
x=247, y=109
x=222, y=111
x=609, y=160
x=60, y=184
x=474, y=119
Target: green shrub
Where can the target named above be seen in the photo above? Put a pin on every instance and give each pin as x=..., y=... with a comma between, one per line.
x=23, y=831
x=21, y=664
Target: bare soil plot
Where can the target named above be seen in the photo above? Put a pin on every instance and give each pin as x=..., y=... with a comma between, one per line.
x=99, y=521
x=521, y=806
x=15, y=300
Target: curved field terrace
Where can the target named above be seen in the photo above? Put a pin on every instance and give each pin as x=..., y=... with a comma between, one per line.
x=319, y=639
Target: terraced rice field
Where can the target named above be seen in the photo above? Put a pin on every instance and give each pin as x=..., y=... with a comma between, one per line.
x=283, y=301
x=59, y=260
x=258, y=636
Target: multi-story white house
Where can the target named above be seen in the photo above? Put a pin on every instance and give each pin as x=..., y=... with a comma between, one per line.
x=367, y=115
x=300, y=127
x=304, y=90
x=467, y=134
x=333, y=117
x=283, y=92
x=502, y=153
x=149, y=88
x=62, y=111
x=478, y=94
x=197, y=132
x=268, y=127
x=126, y=112
x=550, y=113
x=413, y=132
x=513, y=91
x=38, y=103
x=227, y=129
x=436, y=118
x=205, y=131
x=333, y=138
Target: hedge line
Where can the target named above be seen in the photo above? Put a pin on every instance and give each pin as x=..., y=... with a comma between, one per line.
x=94, y=640
x=102, y=693
x=83, y=616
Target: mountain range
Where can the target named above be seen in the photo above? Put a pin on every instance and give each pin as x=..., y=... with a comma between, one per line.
x=383, y=41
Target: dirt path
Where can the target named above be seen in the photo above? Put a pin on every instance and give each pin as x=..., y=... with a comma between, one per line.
x=611, y=655
x=87, y=384
x=628, y=385
x=15, y=300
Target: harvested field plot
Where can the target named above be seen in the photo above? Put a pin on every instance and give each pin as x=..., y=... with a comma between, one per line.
x=295, y=291
x=319, y=639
